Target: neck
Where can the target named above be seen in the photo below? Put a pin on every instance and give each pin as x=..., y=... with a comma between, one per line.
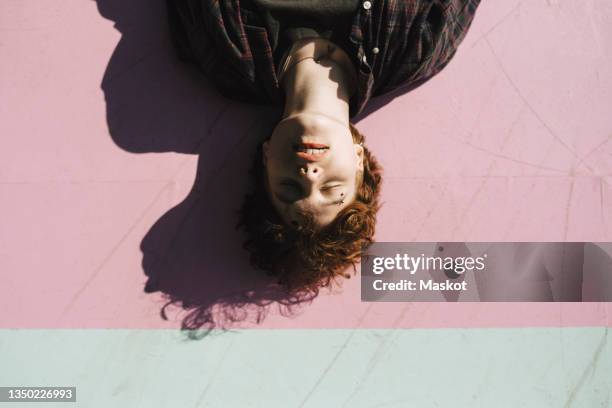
x=317, y=88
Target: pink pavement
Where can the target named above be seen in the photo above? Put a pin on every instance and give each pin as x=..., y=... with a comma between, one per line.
x=121, y=166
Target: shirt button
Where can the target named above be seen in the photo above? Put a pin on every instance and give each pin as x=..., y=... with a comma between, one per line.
x=367, y=5
x=375, y=50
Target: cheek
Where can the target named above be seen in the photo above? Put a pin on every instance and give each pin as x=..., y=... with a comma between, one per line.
x=279, y=159
x=269, y=173
x=273, y=152
x=273, y=166
x=346, y=163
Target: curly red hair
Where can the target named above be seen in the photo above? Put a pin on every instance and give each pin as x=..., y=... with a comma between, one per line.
x=308, y=257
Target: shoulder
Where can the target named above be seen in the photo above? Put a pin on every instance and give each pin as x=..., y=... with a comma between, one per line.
x=419, y=39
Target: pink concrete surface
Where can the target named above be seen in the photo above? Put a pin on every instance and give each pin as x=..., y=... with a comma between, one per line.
x=120, y=166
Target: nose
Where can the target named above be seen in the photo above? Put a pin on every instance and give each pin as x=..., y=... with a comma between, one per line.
x=309, y=171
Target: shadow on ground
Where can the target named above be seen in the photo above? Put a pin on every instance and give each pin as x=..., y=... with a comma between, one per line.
x=193, y=254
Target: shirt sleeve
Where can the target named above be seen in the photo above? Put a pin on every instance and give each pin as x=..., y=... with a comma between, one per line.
x=192, y=42
x=435, y=33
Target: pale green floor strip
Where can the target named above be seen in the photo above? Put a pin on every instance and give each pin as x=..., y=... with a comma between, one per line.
x=530, y=367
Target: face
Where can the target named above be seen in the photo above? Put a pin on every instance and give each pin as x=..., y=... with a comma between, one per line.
x=311, y=164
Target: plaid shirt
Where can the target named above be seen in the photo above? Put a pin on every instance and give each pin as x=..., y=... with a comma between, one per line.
x=393, y=44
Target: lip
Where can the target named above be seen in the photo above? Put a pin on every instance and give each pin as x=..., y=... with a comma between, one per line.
x=311, y=145
x=309, y=157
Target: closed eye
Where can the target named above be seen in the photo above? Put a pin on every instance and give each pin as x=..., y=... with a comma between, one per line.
x=289, y=191
x=291, y=184
x=330, y=188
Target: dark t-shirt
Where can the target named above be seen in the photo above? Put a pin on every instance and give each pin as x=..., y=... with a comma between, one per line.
x=288, y=21
x=394, y=45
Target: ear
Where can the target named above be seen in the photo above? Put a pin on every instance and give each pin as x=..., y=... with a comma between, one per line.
x=359, y=152
x=265, y=149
